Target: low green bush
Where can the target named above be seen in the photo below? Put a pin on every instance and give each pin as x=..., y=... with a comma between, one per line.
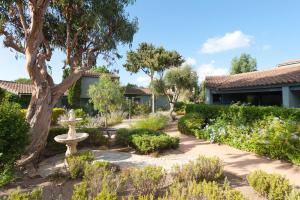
x=179, y=108
x=96, y=138
x=203, y=168
x=80, y=191
x=35, y=194
x=294, y=195
x=147, y=180
x=201, y=190
x=154, y=122
x=189, y=123
x=244, y=113
x=271, y=186
x=146, y=140
x=13, y=138
x=56, y=113
x=77, y=163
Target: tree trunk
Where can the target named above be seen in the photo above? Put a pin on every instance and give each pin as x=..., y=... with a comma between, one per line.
x=172, y=110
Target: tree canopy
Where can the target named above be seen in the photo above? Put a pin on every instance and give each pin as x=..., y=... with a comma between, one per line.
x=174, y=82
x=151, y=59
x=23, y=80
x=244, y=63
x=107, y=95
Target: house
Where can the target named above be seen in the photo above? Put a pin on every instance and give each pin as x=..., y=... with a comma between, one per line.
x=278, y=86
x=138, y=94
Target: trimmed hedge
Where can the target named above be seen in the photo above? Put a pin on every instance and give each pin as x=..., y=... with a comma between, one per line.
x=146, y=140
x=190, y=122
x=247, y=113
x=96, y=139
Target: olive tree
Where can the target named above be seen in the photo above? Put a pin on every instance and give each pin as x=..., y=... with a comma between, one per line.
x=83, y=30
x=174, y=83
x=107, y=96
x=151, y=60
x=242, y=64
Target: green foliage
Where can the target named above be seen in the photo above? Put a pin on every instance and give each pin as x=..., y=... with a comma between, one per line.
x=146, y=140
x=146, y=144
x=272, y=186
x=147, y=180
x=78, y=162
x=80, y=113
x=202, y=92
x=23, y=80
x=203, y=168
x=107, y=95
x=175, y=82
x=6, y=175
x=154, y=122
x=179, y=108
x=13, y=133
x=6, y=96
x=74, y=93
x=190, y=122
x=139, y=109
x=80, y=191
x=106, y=195
x=35, y=194
x=242, y=64
x=202, y=190
x=56, y=113
x=294, y=195
x=96, y=139
x=100, y=69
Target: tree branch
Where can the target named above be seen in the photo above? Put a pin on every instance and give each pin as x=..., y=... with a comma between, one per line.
x=22, y=17
x=10, y=41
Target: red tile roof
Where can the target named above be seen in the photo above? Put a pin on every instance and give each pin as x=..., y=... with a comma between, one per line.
x=137, y=91
x=16, y=88
x=96, y=74
x=286, y=73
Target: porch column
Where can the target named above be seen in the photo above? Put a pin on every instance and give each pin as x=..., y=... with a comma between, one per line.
x=286, y=95
x=208, y=96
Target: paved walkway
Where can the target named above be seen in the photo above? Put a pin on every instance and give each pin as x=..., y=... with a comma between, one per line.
x=237, y=162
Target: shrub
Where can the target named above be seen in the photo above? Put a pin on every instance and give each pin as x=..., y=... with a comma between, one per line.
x=13, y=134
x=150, y=143
x=6, y=175
x=154, y=122
x=147, y=180
x=201, y=190
x=189, y=123
x=106, y=195
x=272, y=186
x=35, y=194
x=56, y=113
x=96, y=138
x=146, y=140
x=294, y=195
x=203, y=168
x=80, y=191
x=78, y=162
x=179, y=108
x=80, y=113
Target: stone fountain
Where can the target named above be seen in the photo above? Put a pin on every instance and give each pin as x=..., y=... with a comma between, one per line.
x=72, y=138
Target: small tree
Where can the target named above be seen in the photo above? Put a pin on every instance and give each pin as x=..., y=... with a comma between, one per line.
x=242, y=64
x=174, y=82
x=107, y=96
x=151, y=59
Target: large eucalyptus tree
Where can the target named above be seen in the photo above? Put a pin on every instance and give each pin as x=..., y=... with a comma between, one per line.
x=83, y=29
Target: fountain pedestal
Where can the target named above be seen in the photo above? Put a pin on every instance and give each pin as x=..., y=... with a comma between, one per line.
x=72, y=138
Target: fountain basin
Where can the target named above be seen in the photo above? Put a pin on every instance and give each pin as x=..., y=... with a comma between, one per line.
x=71, y=143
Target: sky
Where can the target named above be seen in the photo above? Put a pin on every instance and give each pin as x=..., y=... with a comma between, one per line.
x=207, y=33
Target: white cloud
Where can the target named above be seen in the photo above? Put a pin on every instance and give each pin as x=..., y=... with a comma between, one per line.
x=266, y=47
x=209, y=69
x=233, y=40
x=143, y=81
x=190, y=61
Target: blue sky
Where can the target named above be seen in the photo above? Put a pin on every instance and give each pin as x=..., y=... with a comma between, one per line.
x=208, y=33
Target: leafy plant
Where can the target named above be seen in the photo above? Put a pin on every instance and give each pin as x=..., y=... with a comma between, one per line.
x=154, y=122
x=78, y=162
x=146, y=140
x=190, y=122
x=35, y=194
x=203, y=168
x=80, y=191
x=272, y=186
x=13, y=137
